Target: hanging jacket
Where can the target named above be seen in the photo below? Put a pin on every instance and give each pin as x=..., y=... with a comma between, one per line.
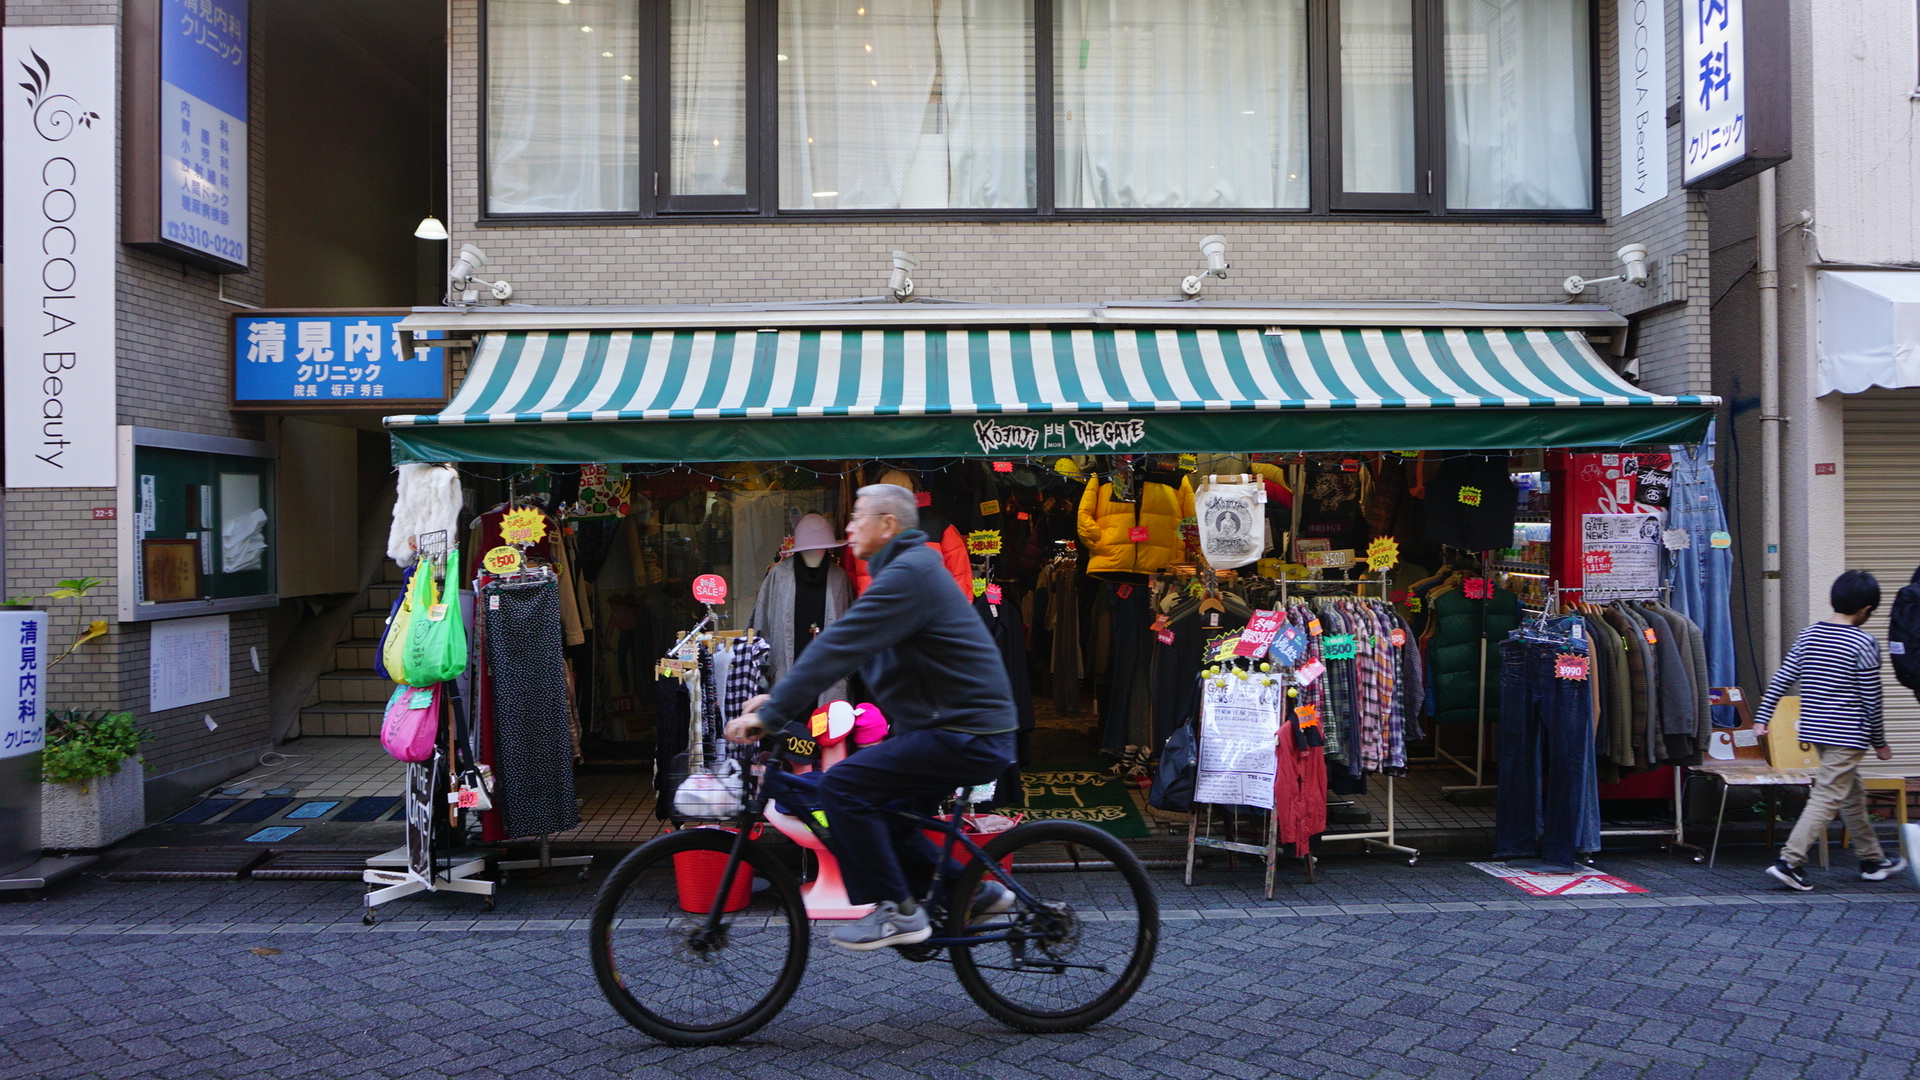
x=1106, y=527
x=952, y=548
x=1455, y=650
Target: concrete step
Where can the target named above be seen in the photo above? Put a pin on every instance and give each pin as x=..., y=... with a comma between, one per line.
x=355, y=688
x=368, y=625
x=390, y=571
x=380, y=597
x=356, y=654
x=341, y=719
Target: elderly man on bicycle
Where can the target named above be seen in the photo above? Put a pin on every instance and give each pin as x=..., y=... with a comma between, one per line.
x=933, y=669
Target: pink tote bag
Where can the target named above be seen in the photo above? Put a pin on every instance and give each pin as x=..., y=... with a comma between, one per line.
x=412, y=723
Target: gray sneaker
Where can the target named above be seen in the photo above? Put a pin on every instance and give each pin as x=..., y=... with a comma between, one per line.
x=883, y=926
x=991, y=898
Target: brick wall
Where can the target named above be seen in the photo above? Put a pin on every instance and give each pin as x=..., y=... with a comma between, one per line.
x=172, y=342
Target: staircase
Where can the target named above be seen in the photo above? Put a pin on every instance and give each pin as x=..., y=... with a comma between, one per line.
x=351, y=699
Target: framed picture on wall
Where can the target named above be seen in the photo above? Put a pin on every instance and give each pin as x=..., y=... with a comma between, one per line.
x=170, y=569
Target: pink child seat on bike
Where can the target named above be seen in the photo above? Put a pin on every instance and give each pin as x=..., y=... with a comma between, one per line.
x=826, y=895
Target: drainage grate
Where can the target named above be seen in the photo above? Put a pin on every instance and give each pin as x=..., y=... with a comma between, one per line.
x=314, y=866
x=189, y=864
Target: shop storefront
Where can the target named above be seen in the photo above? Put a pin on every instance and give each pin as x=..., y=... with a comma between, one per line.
x=1057, y=454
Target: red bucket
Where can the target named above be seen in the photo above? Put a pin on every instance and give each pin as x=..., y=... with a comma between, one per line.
x=697, y=874
x=960, y=854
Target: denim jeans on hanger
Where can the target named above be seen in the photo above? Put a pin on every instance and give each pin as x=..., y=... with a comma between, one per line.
x=1702, y=574
x=1548, y=789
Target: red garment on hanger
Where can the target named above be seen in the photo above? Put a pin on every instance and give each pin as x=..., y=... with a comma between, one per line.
x=953, y=551
x=1299, y=789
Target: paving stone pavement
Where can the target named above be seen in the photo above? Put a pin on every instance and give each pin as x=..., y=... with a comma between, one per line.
x=1380, y=970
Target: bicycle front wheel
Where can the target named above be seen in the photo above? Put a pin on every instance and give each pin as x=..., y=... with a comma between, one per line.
x=665, y=972
x=1081, y=952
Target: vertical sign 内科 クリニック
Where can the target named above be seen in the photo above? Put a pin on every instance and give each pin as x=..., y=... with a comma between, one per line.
x=62, y=197
x=203, y=127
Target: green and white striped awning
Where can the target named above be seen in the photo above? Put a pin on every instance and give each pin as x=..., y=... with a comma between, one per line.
x=715, y=395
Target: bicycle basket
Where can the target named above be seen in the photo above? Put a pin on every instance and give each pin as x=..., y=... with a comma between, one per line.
x=711, y=793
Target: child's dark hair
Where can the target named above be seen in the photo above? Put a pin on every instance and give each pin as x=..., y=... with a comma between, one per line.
x=1855, y=590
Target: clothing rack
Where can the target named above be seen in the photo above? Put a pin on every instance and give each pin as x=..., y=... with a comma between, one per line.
x=1385, y=839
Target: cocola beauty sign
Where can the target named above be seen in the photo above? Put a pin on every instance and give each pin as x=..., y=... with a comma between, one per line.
x=61, y=197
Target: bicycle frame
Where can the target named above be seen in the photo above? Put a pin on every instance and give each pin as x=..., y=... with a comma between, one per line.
x=952, y=828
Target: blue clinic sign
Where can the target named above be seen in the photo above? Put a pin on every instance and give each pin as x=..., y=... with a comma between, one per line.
x=203, y=126
x=309, y=359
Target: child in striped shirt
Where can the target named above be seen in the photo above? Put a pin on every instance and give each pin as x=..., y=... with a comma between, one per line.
x=1837, y=665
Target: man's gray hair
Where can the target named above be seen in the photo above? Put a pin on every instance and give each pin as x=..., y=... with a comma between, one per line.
x=892, y=499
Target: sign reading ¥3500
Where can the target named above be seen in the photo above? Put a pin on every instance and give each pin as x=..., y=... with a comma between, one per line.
x=349, y=360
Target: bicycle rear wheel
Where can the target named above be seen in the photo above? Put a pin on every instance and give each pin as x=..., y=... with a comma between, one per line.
x=1077, y=957
x=665, y=975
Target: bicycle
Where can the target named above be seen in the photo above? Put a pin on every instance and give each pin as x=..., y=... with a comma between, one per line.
x=699, y=978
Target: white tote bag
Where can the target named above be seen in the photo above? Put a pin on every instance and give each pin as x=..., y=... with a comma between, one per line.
x=1232, y=520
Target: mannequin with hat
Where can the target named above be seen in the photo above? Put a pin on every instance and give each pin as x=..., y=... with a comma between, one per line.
x=802, y=595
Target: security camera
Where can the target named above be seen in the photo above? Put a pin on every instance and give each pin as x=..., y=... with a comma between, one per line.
x=1633, y=258
x=899, y=284
x=460, y=276
x=1214, y=249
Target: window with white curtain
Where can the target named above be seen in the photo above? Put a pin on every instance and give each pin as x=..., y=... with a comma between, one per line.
x=1201, y=104
x=563, y=118
x=1519, y=117
x=707, y=68
x=906, y=104
x=671, y=108
x=1376, y=96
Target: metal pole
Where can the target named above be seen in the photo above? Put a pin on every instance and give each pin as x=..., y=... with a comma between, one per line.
x=1767, y=274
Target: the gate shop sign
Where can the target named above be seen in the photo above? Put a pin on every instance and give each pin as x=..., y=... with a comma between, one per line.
x=1086, y=436
x=61, y=200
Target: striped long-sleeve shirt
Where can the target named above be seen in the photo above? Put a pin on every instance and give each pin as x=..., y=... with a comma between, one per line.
x=1838, y=669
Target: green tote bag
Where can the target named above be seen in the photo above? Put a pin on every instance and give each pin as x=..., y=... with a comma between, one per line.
x=437, y=640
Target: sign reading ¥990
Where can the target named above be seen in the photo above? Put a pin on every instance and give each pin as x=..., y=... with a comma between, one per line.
x=353, y=361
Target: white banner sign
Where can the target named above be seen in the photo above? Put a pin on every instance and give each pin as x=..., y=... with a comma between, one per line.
x=1713, y=63
x=62, y=197
x=1643, y=103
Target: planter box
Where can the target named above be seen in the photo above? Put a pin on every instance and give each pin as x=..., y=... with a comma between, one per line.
x=110, y=809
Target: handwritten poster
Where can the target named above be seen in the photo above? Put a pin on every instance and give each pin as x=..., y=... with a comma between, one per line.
x=1239, y=723
x=1620, y=556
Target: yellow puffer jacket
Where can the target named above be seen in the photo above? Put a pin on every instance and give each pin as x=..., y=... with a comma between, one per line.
x=1106, y=528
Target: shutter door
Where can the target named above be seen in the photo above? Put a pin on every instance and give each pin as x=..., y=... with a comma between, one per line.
x=1883, y=527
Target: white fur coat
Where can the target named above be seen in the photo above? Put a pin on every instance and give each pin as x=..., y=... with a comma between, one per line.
x=428, y=501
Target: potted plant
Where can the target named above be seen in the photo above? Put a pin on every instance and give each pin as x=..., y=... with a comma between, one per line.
x=92, y=791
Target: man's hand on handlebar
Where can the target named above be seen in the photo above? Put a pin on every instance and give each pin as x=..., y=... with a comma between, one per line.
x=747, y=728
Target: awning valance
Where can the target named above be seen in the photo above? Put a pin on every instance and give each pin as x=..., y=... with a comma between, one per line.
x=717, y=395
x=1869, y=330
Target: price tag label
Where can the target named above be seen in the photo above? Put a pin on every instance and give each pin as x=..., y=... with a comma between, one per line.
x=469, y=798
x=502, y=560
x=523, y=527
x=1474, y=588
x=1571, y=666
x=1309, y=672
x=979, y=587
x=993, y=594
x=1337, y=646
x=1003, y=466
x=1165, y=636
x=1652, y=638
x=1398, y=637
x=1720, y=539
x=990, y=508
x=1676, y=539
x=1123, y=590
x=436, y=613
x=1383, y=554
x=923, y=498
x=1262, y=627
x=1313, y=627
x=710, y=589
x=1138, y=534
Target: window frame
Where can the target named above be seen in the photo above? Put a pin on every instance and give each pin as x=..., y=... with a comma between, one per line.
x=1327, y=201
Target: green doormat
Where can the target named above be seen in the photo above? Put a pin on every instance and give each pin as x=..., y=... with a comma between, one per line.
x=1088, y=795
